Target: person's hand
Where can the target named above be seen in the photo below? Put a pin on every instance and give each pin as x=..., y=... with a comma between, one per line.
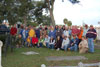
x=93, y=40
x=72, y=44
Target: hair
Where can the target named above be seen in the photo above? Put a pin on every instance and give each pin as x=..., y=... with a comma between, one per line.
x=91, y=25
x=84, y=37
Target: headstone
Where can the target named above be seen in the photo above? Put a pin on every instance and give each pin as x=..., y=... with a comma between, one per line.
x=60, y=58
x=80, y=64
x=1, y=44
x=99, y=64
x=43, y=65
x=30, y=53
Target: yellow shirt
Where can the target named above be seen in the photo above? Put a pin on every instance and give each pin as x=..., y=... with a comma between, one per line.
x=28, y=40
x=31, y=33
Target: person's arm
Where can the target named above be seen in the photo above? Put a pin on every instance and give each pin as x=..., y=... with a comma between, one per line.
x=53, y=42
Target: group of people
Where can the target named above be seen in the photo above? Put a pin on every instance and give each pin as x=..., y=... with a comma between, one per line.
x=67, y=38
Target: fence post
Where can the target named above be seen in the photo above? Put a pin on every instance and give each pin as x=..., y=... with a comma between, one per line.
x=80, y=64
x=1, y=44
x=99, y=64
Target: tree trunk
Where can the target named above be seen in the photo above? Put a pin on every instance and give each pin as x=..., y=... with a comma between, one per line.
x=52, y=17
x=51, y=11
x=25, y=21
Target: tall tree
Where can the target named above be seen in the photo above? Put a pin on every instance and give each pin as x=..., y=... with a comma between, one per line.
x=14, y=10
x=50, y=7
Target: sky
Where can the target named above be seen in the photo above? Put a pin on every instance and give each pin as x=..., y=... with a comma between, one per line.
x=87, y=11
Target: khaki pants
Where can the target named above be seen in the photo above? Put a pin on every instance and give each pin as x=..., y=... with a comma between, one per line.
x=83, y=50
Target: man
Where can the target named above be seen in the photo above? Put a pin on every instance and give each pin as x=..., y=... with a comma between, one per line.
x=73, y=46
x=91, y=35
x=13, y=32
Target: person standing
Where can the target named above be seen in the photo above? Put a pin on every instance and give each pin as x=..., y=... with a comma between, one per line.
x=13, y=32
x=91, y=35
x=80, y=35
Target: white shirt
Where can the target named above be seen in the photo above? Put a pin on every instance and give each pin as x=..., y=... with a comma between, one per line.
x=66, y=33
x=65, y=42
x=47, y=39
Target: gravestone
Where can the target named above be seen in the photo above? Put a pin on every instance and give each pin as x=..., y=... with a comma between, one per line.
x=60, y=58
x=30, y=53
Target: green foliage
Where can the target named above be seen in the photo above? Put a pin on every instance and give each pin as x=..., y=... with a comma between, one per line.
x=66, y=21
x=33, y=24
x=14, y=10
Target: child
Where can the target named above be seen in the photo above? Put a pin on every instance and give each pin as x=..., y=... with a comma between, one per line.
x=83, y=46
x=65, y=43
x=58, y=43
x=34, y=41
x=28, y=42
x=52, y=43
x=18, y=41
x=41, y=40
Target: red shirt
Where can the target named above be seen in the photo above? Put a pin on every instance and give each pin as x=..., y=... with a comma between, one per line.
x=75, y=31
x=13, y=31
x=34, y=40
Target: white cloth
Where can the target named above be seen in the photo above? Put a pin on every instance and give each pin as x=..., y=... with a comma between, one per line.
x=66, y=33
x=84, y=43
x=65, y=42
x=52, y=42
x=47, y=39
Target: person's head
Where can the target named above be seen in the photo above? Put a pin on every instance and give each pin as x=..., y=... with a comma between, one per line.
x=34, y=35
x=66, y=28
x=14, y=25
x=31, y=27
x=59, y=27
x=58, y=37
x=46, y=35
x=40, y=26
x=91, y=26
x=81, y=28
x=19, y=36
x=65, y=37
x=41, y=37
x=86, y=26
x=63, y=26
x=51, y=38
x=52, y=28
x=69, y=27
x=56, y=26
x=74, y=36
x=83, y=37
x=26, y=28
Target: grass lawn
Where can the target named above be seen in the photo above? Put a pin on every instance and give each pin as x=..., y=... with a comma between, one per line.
x=16, y=59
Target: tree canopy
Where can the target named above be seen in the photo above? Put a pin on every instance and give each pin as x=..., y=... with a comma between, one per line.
x=25, y=10
x=67, y=22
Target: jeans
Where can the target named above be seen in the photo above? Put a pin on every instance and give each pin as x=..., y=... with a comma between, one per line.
x=65, y=47
x=74, y=47
x=40, y=44
x=51, y=46
x=12, y=42
x=47, y=45
x=91, y=45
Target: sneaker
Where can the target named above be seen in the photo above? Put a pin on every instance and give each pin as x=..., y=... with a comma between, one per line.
x=58, y=49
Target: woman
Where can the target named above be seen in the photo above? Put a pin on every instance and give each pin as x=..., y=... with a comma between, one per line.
x=52, y=43
x=58, y=43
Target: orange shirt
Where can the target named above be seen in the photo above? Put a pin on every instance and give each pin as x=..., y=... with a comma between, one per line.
x=80, y=34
